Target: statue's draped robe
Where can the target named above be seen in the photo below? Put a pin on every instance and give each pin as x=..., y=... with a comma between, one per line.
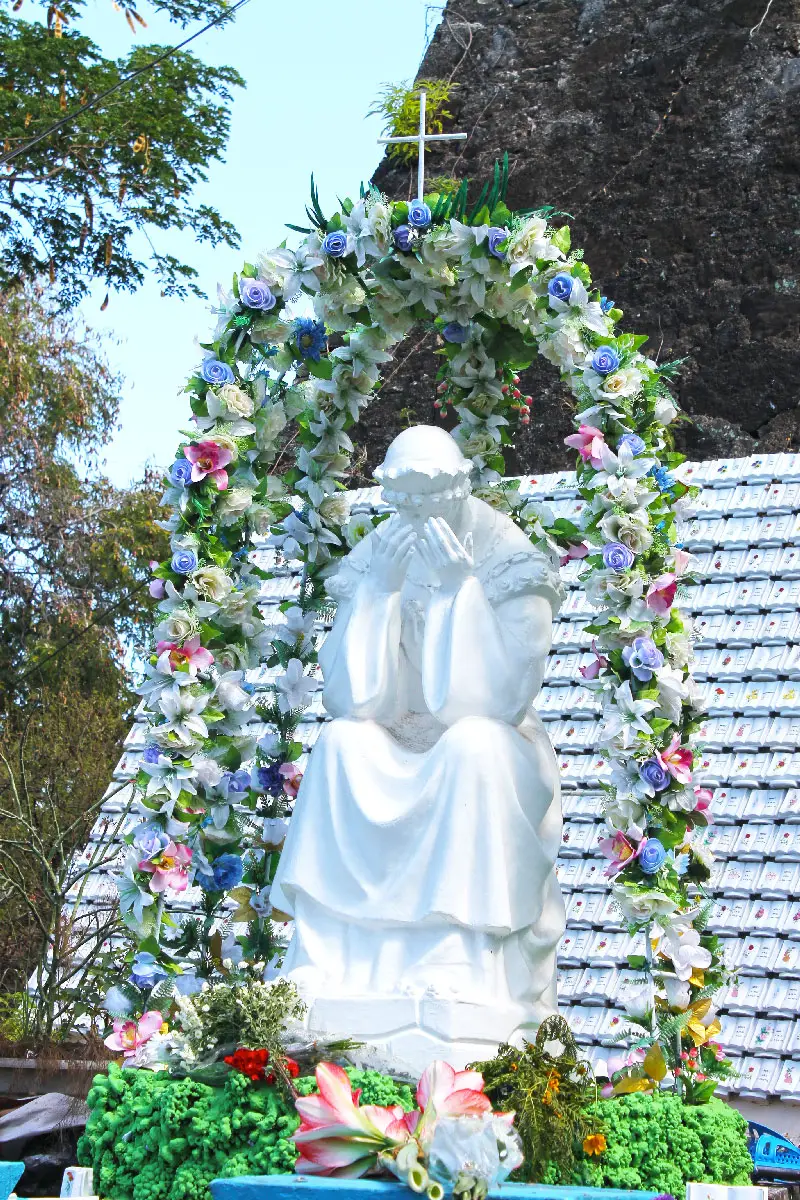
x=420, y=854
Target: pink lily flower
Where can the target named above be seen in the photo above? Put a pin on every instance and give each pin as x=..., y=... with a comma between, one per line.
x=292, y=778
x=589, y=442
x=339, y=1137
x=170, y=869
x=209, y=459
x=444, y=1092
x=661, y=593
x=620, y=851
x=677, y=761
x=190, y=658
x=128, y=1036
x=593, y=669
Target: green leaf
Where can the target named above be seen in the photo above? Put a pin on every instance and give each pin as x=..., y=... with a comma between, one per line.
x=320, y=370
x=562, y=238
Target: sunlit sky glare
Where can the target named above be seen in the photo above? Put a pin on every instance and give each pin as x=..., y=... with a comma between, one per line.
x=313, y=70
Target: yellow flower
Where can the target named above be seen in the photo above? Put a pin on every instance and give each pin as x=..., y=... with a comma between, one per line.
x=594, y=1143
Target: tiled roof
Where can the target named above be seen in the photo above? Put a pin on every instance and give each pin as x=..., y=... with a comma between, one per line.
x=747, y=537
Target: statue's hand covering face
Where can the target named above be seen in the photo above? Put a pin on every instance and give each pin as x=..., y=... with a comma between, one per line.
x=419, y=862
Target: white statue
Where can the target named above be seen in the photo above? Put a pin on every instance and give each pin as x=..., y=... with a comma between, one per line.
x=419, y=862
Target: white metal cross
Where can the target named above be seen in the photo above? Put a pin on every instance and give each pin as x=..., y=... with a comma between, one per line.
x=421, y=139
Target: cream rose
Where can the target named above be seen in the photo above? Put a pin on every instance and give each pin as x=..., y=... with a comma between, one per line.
x=234, y=504
x=213, y=582
x=625, y=382
x=235, y=400
x=632, y=529
x=528, y=244
x=335, y=509
x=176, y=626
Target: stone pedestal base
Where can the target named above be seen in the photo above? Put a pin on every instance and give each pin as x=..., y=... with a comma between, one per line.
x=414, y=1031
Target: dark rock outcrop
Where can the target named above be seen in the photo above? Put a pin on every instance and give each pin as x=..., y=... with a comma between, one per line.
x=670, y=130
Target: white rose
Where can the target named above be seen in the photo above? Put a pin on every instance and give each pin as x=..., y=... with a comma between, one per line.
x=624, y=382
x=632, y=529
x=261, y=519
x=235, y=400
x=335, y=509
x=357, y=528
x=176, y=626
x=234, y=504
x=213, y=582
x=379, y=222
x=207, y=772
x=677, y=991
x=528, y=244
x=666, y=411
x=269, y=422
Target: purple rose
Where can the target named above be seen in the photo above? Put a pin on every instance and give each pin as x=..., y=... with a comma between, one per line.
x=560, y=286
x=235, y=781
x=335, y=244
x=184, y=562
x=216, y=372
x=453, y=332
x=643, y=657
x=617, y=557
x=151, y=753
x=403, y=237
x=654, y=775
x=157, y=589
x=633, y=442
x=651, y=856
x=605, y=360
x=495, y=240
x=255, y=294
x=419, y=215
x=269, y=779
x=150, y=842
x=180, y=473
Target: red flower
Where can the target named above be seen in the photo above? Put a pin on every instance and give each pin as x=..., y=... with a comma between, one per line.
x=250, y=1062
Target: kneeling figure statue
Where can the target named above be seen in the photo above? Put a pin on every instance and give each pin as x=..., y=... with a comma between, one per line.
x=418, y=868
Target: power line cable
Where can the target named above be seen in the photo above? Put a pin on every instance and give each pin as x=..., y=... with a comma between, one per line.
x=121, y=83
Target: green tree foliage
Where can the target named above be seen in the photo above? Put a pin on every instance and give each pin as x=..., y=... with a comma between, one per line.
x=74, y=554
x=398, y=105
x=75, y=205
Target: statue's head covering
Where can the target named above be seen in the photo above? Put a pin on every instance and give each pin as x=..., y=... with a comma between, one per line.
x=422, y=460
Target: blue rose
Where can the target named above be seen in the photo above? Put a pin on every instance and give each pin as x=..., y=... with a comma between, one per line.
x=335, y=244
x=453, y=332
x=151, y=753
x=310, y=338
x=606, y=304
x=184, y=562
x=664, y=481
x=236, y=781
x=560, y=286
x=150, y=842
x=216, y=372
x=180, y=473
x=654, y=775
x=617, y=557
x=643, y=657
x=419, y=215
x=633, y=442
x=651, y=856
x=145, y=971
x=226, y=870
x=268, y=779
x=255, y=294
x=495, y=240
x=403, y=237
x=605, y=360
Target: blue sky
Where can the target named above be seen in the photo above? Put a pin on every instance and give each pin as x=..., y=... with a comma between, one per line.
x=313, y=70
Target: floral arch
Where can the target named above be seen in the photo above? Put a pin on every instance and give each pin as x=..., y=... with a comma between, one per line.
x=499, y=288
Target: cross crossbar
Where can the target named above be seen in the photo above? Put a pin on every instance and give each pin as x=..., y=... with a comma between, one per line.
x=421, y=139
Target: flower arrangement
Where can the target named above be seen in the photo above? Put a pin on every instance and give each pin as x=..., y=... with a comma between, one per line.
x=452, y=1142
x=498, y=288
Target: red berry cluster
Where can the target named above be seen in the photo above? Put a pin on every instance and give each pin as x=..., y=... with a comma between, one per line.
x=521, y=403
x=253, y=1064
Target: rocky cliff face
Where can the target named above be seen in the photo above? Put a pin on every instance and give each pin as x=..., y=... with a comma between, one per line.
x=671, y=132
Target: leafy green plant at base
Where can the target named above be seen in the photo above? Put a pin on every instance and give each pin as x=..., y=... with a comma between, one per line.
x=151, y=1137
x=658, y=1143
x=398, y=105
x=551, y=1089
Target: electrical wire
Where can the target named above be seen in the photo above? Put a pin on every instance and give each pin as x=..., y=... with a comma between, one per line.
x=10, y=155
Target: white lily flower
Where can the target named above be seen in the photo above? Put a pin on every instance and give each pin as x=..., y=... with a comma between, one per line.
x=681, y=944
x=165, y=775
x=182, y=709
x=625, y=717
x=672, y=691
x=230, y=694
x=297, y=628
x=580, y=307
x=294, y=687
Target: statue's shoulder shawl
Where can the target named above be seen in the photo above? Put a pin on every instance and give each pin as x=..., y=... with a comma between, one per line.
x=512, y=566
x=342, y=584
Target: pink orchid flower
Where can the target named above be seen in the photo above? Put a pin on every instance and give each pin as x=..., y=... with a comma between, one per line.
x=170, y=869
x=576, y=550
x=593, y=669
x=191, y=657
x=209, y=459
x=128, y=1036
x=676, y=760
x=620, y=851
x=339, y=1137
x=589, y=442
x=292, y=778
x=661, y=593
x=680, y=561
x=703, y=797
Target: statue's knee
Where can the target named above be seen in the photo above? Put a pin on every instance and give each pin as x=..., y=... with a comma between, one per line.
x=473, y=737
x=341, y=734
